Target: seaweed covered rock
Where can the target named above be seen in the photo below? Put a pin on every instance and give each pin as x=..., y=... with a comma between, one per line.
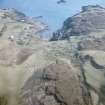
x=56, y=84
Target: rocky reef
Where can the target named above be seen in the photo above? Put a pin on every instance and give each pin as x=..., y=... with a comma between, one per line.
x=63, y=72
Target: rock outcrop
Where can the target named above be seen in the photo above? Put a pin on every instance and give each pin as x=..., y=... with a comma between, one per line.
x=92, y=43
x=17, y=27
x=56, y=84
x=90, y=19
